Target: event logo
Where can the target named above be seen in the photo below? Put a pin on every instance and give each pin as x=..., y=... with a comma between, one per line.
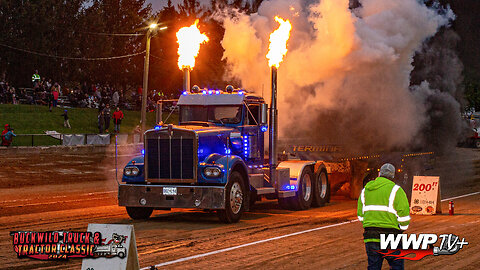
x=61, y=245
x=419, y=247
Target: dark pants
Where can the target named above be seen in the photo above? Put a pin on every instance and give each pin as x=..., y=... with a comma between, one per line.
x=55, y=103
x=107, y=123
x=375, y=259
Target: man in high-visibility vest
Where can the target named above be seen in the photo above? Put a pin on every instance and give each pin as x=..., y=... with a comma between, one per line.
x=35, y=78
x=383, y=209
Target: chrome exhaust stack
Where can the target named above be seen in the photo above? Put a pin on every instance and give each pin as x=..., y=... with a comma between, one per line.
x=186, y=79
x=273, y=129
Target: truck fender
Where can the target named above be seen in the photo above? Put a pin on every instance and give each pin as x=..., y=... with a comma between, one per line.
x=296, y=169
x=229, y=162
x=137, y=161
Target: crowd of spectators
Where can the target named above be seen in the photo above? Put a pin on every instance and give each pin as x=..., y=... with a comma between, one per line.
x=45, y=91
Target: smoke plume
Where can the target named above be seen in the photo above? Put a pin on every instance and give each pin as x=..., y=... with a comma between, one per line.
x=346, y=77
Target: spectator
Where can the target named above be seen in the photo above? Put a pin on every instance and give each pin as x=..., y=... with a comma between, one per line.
x=50, y=100
x=117, y=119
x=66, y=123
x=14, y=97
x=101, y=122
x=115, y=98
x=55, y=96
x=35, y=79
x=106, y=115
x=7, y=136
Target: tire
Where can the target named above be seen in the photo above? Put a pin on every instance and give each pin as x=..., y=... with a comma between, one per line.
x=235, y=199
x=321, y=189
x=121, y=255
x=476, y=143
x=139, y=212
x=304, y=196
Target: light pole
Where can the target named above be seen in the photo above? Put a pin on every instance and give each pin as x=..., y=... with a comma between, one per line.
x=150, y=33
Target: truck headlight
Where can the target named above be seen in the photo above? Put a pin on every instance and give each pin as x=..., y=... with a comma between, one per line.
x=131, y=171
x=212, y=172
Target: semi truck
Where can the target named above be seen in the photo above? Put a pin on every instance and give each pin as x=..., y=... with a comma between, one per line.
x=214, y=159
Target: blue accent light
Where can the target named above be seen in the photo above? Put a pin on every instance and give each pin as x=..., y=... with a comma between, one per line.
x=264, y=128
x=210, y=92
x=217, y=92
x=228, y=151
x=204, y=92
x=157, y=127
x=240, y=92
x=184, y=93
x=143, y=152
x=289, y=187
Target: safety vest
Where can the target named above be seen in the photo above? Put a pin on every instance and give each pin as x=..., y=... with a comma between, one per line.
x=383, y=204
x=35, y=77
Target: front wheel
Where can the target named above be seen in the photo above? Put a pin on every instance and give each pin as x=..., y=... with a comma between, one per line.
x=476, y=143
x=139, y=212
x=234, y=199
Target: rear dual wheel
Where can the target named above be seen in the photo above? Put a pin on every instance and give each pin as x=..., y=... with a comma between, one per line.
x=303, y=196
x=321, y=189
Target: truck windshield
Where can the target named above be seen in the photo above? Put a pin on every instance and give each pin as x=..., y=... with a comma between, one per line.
x=215, y=114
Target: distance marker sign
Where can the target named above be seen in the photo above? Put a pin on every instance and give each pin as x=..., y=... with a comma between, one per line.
x=425, y=195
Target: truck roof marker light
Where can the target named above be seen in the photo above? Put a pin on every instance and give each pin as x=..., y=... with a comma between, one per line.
x=204, y=92
x=240, y=92
x=184, y=93
x=210, y=92
x=143, y=152
x=157, y=127
x=217, y=92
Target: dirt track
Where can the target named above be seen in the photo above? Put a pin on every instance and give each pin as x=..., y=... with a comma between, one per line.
x=66, y=192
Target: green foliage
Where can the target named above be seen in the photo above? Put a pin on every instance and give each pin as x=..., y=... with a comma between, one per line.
x=472, y=90
x=31, y=119
x=77, y=28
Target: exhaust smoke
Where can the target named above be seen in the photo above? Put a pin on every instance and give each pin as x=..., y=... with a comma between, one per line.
x=346, y=77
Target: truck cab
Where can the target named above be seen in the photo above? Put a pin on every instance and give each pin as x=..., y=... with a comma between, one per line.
x=214, y=159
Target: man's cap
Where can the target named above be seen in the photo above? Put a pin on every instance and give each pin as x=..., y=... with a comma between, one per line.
x=7, y=125
x=387, y=170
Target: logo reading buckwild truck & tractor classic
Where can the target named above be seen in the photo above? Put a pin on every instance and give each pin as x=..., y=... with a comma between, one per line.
x=419, y=246
x=62, y=245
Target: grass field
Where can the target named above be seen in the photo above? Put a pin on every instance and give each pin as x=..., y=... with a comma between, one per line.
x=33, y=119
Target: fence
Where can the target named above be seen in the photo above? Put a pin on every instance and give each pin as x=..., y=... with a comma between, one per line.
x=72, y=139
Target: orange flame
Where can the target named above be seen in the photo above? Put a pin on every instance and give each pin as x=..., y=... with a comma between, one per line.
x=189, y=40
x=278, y=42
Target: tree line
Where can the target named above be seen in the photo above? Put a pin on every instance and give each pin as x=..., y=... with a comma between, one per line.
x=82, y=29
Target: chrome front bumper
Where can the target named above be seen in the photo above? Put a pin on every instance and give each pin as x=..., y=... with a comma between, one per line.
x=187, y=196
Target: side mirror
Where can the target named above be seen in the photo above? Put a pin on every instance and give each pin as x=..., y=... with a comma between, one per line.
x=264, y=115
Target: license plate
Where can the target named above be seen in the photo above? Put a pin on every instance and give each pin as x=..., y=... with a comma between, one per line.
x=169, y=191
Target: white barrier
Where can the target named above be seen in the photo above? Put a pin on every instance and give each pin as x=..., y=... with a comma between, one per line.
x=98, y=139
x=73, y=139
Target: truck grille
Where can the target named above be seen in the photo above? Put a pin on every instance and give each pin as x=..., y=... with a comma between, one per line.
x=170, y=159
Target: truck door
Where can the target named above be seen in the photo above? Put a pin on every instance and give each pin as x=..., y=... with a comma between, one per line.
x=252, y=135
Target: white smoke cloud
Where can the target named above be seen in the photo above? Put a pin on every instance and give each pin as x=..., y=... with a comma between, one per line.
x=346, y=76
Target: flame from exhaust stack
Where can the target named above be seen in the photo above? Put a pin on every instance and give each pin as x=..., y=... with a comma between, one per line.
x=189, y=40
x=278, y=42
